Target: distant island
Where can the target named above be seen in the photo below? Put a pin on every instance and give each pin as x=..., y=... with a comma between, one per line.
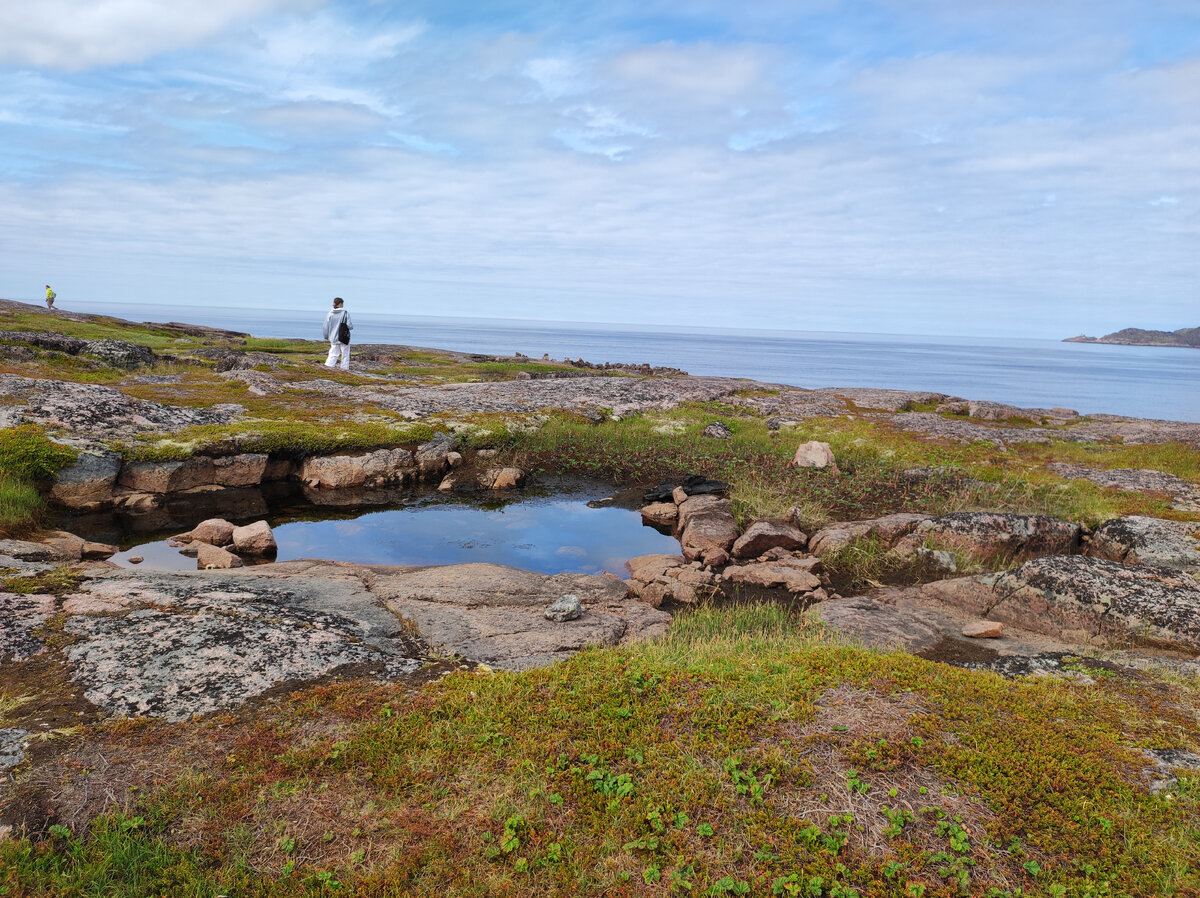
x=1135, y=336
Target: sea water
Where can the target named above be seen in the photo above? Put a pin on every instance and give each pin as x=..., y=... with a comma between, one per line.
x=1141, y=381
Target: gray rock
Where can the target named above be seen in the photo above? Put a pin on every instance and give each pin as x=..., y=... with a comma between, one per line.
x=431, y=456
x=12, y=747
x=882, y=626
x=1161, y=776
x=814, y=454
x=1014, y=535
x=87, y=484
x=496, y=614
x=565, y=609
x=718, y=430
x=887, y=529
x=1075, y=594
x=1142, y=540
x=103, y=413
x=52, y=341
x=20, y=615
x=120, y=354
x=194, y=643
x=1186, y=495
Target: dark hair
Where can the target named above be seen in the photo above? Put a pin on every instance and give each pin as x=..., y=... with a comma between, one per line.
x=338, y=299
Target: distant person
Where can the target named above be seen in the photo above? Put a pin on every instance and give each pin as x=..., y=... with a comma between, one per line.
x=50, y=297
x=337, y=331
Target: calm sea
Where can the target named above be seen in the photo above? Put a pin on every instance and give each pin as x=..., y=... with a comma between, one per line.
x=1148, y=382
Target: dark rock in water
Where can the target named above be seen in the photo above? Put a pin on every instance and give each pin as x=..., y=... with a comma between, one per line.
x=693, y=485
x=660, y=493
x=120, y=354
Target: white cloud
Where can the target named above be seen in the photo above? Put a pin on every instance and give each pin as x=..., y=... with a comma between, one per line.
x=81, y=34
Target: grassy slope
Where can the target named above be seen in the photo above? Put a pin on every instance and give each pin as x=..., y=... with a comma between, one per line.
x=743, y=754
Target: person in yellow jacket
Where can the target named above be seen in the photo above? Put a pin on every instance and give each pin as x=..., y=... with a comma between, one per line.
x=50, y=295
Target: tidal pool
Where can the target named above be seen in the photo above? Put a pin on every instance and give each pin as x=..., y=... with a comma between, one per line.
x=548, y=534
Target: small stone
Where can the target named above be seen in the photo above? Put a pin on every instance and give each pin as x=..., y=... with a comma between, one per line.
x=567, y=608
x=983, y=629
x=454, y=458
x=718, y=430
x=814, y=454
x=714, y=556
x=487, y=453
x=446, y=485
x=679, y=495
x=136, y=559
x=98, y=551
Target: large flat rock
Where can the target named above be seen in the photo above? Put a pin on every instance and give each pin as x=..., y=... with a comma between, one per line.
x=491, y=613
x=1060, y=595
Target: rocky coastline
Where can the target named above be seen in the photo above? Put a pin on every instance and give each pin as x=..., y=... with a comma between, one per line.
x=992, y=589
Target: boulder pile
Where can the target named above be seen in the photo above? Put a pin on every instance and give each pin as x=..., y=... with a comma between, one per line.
x=218, y=544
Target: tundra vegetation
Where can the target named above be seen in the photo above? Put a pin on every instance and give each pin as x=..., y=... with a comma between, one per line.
x=747, y=752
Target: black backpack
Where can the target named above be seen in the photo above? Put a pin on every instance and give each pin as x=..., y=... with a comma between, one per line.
x=343, y=333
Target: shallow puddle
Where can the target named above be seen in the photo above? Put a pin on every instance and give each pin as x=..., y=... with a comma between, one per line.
x=551, y=534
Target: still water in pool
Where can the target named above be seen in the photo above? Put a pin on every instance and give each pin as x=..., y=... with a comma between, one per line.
x=550, y=535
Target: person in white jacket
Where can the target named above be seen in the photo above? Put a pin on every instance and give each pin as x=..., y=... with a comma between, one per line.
x=339, y=340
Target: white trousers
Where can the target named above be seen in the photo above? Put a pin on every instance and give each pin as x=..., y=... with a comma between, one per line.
x=339, y=356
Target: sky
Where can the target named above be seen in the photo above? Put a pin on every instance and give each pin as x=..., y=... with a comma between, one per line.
x=993, y=167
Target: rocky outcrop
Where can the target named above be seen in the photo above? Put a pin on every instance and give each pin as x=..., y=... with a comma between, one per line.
x=1010, y=535
x=102, y=412
x=1184, y=494
x=432, y=457
x=373, y=469
x=120, y=354
x=718, y=430
x=706, y=523
x=239, y=470
x=496, y=614
x=1143, y=540
x=167, y=476
x=887, y=529
x=795, y=575
x=764, y=535
x=88, y=484
x=656, y=579
x=1078, y=597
